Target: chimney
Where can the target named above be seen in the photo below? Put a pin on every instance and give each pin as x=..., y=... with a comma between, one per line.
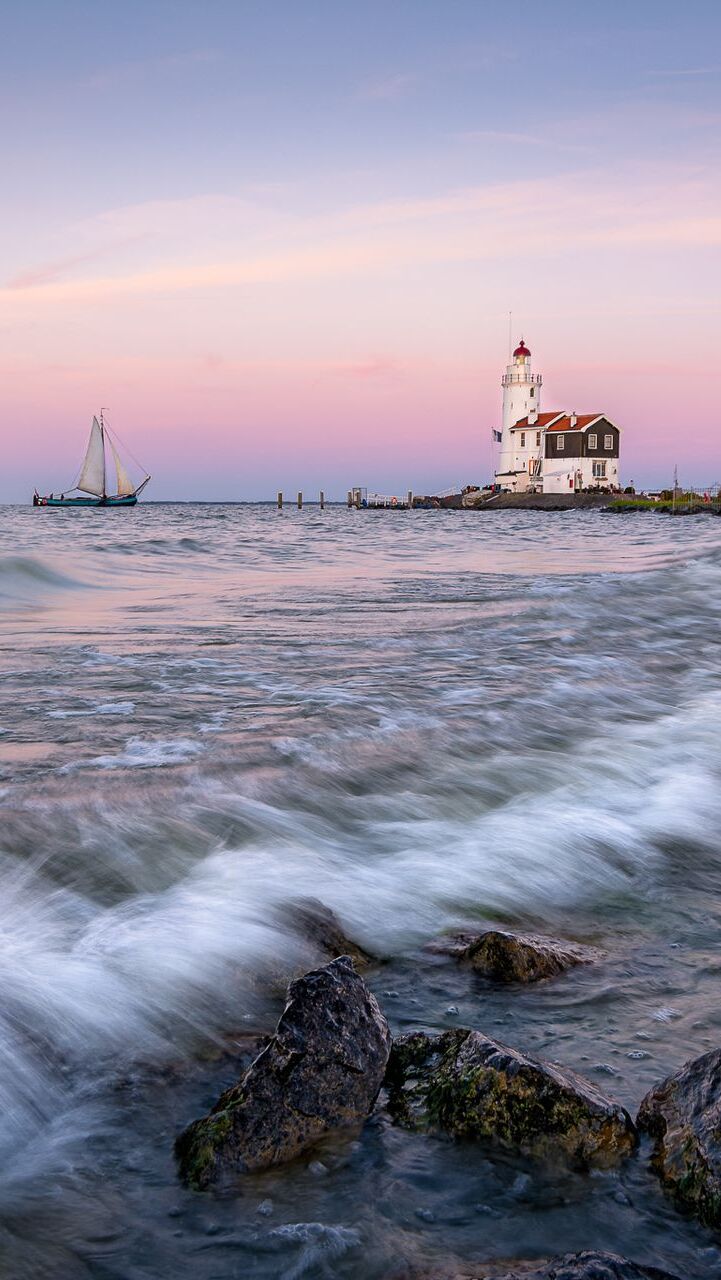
x=574, y=420
x=532, y=416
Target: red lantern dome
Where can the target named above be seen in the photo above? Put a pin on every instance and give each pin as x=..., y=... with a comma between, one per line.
x=521, y=350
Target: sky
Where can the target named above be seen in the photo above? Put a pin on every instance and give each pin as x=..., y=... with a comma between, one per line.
x=280, y=240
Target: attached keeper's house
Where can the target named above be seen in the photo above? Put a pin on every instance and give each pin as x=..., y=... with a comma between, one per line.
x=555, y=452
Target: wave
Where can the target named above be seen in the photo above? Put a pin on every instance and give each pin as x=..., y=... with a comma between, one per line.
x=156, y=546
x=23, y=578
x=140, y=753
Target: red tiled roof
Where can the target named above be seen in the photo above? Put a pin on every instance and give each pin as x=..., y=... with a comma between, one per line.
x=542, y=420
x=558, y=421
x=583, y=420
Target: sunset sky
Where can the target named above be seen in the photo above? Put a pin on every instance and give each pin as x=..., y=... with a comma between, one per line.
x=281, y=239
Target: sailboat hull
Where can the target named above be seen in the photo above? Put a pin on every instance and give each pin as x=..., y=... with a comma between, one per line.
x=129, y=501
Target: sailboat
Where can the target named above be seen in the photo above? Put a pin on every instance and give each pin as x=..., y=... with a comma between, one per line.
x=90, y=490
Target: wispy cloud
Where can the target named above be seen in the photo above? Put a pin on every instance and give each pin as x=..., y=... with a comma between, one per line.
x=521, y=139
x=376, y=368
x=50, y=272
x=125, y=72
x=684, y=71
x=534, y=218
x=388, y=87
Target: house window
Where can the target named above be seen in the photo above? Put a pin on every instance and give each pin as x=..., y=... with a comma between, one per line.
x=523, y=439
x=538, y=438
x=599, y=470
x=593, y=442
x=561, y=444
x=608, y=441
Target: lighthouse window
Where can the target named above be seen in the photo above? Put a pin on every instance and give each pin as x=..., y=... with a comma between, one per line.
x=561, y=443
x=523, y=439
x=608, y=441
x=593, y=442
x=533, y=391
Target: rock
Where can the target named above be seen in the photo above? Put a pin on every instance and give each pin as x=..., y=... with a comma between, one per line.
x=683, y=1116
x=463, y=1083
x=518, y=957
x=589, y=1265
x=321, y=1071
x=320, y=926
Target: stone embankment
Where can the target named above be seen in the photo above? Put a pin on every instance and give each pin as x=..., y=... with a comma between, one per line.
x=535, y=501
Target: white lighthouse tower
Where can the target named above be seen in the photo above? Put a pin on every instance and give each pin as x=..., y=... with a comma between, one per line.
x=521, y=399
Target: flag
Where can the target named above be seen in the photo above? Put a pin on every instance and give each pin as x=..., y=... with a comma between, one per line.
x=497, y=435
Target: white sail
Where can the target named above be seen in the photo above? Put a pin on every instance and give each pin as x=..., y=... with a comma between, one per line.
x=92, y=476
x=125, y=484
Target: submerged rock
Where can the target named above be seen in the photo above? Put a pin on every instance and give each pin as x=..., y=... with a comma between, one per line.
x=683, y=1116
x=318, y=925
x=517, y=957
x=321, y=1071
x=465, y=1084
x=589, y=1265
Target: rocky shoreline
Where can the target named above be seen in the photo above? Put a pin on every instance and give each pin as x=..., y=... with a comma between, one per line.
x=332, y=1064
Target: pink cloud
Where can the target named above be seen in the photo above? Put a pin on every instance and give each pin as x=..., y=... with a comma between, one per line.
x=531, y=219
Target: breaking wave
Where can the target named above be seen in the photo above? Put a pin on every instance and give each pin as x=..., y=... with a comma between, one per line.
x=25, y=579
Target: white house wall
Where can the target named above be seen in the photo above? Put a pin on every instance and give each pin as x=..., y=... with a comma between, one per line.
x=559, y=473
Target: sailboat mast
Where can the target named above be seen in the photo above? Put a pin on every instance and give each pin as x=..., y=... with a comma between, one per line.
x=105, y=461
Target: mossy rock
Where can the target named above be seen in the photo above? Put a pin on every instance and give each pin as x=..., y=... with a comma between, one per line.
x=506, y=956
x=464, y=1084
x=320, y=1072
x=683, y=1116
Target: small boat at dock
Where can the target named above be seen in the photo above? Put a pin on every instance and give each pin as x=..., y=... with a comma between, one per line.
x=91, y=488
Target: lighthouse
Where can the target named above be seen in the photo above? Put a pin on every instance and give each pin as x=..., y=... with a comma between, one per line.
x=558, y=452
x=521, y=399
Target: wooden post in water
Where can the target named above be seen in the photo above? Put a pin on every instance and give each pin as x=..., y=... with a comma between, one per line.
x=358, y=498
x=300, y=501
x=322, y=500
x=280, y=500
x=350, y=497
x=410, y=499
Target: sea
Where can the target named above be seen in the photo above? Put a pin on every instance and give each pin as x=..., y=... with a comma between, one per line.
x=427, y=720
